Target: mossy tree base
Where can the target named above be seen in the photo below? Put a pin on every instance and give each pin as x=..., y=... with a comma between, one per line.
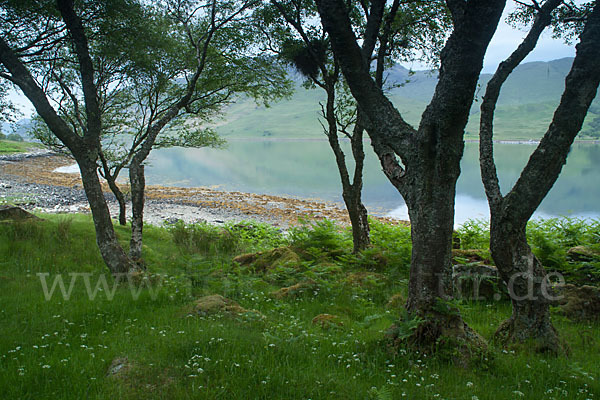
x=447, y=337
x=538, y=335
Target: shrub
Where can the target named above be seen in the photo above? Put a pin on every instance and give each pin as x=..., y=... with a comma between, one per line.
x=474, y=234
x=550, y=239
x=257, y=236
x=393, y=242
x=320, y=237
x=204, y=238
x=63, y=227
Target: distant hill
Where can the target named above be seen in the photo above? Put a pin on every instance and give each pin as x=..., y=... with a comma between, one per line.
x=20, y=127
x=525, y=106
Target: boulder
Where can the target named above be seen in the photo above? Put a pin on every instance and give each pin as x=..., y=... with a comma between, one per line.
x=583, y=253
x=579, y=302
x=247, y=258
x=267, y=260
x=14, y=213
x=172, y=220
x=119, y=367
x=460, y=256
x=295, y=290
x=477, y=282
x=327, y=321
x=215, y=304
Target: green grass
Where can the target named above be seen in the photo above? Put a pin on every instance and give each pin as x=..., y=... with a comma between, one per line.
x=63, y=348
x=11, y=147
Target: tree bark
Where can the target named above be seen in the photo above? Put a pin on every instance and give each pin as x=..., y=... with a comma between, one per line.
x=528, y=287
x=517, y=265
x=137, y=178
x=358, y=219
x=120, y=200
x=110, y=249
x=111, y=178
x=351, y=189
x=359, y=216
x=432, y=223
x=429, y=164
x=138, y=184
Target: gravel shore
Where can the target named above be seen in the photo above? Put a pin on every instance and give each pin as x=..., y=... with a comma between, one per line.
x=29, y=180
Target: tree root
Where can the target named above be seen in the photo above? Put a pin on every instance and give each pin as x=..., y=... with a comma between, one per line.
x=539, y=336
x=446, y=336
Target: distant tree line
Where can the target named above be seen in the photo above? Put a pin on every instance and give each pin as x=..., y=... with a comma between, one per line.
x=15, y=137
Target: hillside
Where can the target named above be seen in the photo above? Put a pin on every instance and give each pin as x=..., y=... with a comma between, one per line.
x=525, y=107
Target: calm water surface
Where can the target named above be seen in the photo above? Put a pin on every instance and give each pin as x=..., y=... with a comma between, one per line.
x=307, y=169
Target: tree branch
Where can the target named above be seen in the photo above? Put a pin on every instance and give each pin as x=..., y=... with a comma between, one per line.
x=22, y=78
x=486, y=131
x=378, y=110
x=374, y=18
x=86, y=69
x=547, y=160
x=74, y=100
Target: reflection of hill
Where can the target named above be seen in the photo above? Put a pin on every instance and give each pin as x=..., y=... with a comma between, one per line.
x=307, y=169
x=525, y=106
x=577, y=189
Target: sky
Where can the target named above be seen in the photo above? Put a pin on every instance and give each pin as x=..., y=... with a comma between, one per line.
x=505, y=40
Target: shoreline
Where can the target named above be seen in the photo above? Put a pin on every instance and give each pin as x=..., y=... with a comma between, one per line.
x=367, y=140
x=30, y=178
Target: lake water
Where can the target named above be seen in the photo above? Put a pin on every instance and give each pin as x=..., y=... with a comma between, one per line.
x=306, y=168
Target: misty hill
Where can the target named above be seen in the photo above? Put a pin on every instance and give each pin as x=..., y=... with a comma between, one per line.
x=532, y=82
x=20, y=127
x=525, y=107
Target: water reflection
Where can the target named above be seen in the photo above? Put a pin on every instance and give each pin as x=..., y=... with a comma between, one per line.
x=307, y=169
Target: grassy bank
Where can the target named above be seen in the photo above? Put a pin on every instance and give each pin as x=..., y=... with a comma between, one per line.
x=59, y=348
x=12, y=147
